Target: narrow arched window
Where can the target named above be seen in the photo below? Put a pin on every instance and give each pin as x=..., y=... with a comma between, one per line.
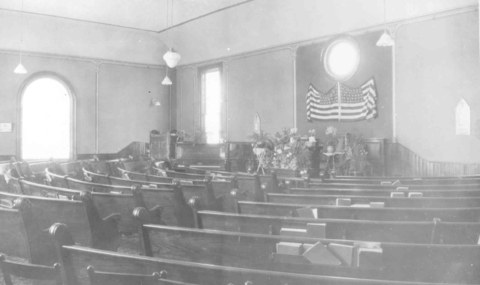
x=46, y=119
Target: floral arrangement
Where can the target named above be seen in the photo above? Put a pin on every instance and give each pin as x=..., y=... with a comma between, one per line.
x=287, y=148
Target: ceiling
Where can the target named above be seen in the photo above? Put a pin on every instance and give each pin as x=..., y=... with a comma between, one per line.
x=146, y=15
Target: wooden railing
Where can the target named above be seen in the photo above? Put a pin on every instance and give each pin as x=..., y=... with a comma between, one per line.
x=401, y=161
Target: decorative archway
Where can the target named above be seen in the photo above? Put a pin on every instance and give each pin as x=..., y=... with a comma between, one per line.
x=46, y=118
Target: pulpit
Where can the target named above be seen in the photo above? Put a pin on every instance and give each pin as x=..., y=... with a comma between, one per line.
x=376, y=155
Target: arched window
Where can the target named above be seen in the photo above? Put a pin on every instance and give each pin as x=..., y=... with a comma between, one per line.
x=46, y=118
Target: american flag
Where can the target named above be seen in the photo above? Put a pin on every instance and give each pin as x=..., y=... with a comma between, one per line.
x=354, y=104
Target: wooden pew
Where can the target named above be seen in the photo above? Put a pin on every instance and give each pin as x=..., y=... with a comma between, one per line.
x=432, y=232
x=112, y=180
x=255, y=250
x=378, y=186
x=407, y=202
x=116, y=278
x=385, y=193
x=403, y=182
x=362, y=213
x=189, y=190
x=29, y=271
x=21, y=235
x=75, y=259
x=106, y=202
x=173, y=199
x=82, y=216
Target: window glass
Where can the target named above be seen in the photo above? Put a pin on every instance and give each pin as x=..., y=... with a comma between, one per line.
x=212, y=97
x=46, y=120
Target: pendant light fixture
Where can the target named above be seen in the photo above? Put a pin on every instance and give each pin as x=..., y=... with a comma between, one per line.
x=20, y=69
x=171, y=57
x=385, y=40
x=166, y=80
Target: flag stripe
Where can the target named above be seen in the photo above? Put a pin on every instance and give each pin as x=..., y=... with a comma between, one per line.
x=355, y=103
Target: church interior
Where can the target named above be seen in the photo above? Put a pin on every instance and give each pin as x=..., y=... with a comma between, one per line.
x=239, y=142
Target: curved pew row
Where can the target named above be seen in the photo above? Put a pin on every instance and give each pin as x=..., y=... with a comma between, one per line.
x=378, y=186
x=167, y=205
x=207, y=182
x=434, y=232
x=387, y=202
x=400, y=262
x=75, y=259
x=363, y=213
x=221, y=187
x=153, y=192
x=401, y=182
x=82, y=216
x=106, y=202
x=385, y=193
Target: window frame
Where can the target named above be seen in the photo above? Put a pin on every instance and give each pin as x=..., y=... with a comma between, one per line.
x=201, y=72
x=21, y=91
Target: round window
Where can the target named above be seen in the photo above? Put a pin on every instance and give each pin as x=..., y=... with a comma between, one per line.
x=341, y=58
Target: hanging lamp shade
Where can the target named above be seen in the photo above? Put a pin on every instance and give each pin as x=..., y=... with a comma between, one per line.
x=385, y=40
x=166, y=81
x=20, y=69
x=171, y=57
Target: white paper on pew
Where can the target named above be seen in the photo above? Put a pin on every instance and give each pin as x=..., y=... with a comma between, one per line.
x=415, y=194
x=397, y=182
x=377, y=204
x=293, y=232
x=397, y=195
x=360, y=205
x=386, y=183
x=63, y=197
x=186, y=182
x=402, y=188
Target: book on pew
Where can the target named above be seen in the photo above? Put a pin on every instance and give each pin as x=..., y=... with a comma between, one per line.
x=371, y=258
x=377, y=204
x=345, y=253
x=186, y=182
x=415, y=194
x=360, y=205
x=319, y=254
x=307, y=213
x=63, y=197
x=402, y=188
x=316, y=230
x=343, y=202
x=293, y=232
x=397, y=194
x=290, y=248
x=307, y=246
x=386, y=183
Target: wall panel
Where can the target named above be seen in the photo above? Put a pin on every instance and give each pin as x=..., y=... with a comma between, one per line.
x=125, y=109
x=261, y=83
x=437, y=65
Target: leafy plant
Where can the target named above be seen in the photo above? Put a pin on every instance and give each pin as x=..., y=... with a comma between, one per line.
x=262, y=140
